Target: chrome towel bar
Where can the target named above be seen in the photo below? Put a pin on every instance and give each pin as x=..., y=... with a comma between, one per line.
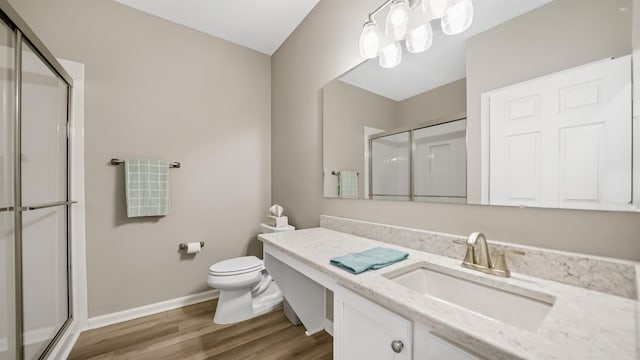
x=336, y=173
x=174, y=164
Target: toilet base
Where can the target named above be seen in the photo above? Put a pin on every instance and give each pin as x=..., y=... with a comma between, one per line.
x=239, y=305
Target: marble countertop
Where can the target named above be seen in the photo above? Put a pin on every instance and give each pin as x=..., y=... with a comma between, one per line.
x=582, y=324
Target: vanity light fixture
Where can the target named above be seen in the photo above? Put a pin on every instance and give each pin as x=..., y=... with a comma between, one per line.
x=412, y=23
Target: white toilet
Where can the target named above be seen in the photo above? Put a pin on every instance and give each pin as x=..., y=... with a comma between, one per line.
x=246, y=289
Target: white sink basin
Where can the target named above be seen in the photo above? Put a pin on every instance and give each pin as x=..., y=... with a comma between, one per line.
x=524, y=311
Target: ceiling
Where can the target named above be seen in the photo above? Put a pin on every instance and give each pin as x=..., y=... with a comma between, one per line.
x=441, y=64
x=261, y=25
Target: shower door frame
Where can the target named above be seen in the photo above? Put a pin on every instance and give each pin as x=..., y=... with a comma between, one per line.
x=24, y=33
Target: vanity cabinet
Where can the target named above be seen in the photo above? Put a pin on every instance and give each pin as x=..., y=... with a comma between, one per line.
x=361, y=328
x=364, y=330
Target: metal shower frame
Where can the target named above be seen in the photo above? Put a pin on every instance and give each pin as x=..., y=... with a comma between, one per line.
x=23, y=33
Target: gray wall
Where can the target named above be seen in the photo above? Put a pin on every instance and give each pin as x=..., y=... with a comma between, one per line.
x=448, y=99
x=524, y=48
x=156, y=89
x=346, y=111
x=315, y=54
x=635, y=36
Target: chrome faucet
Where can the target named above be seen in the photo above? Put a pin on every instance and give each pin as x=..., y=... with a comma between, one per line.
x=482, y=262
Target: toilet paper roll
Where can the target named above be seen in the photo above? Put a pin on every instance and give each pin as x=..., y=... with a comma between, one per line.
x=193, y=247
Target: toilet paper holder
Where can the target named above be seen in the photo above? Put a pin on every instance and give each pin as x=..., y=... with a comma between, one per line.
x=183, y=246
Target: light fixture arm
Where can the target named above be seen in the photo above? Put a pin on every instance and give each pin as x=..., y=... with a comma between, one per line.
x=376, y=11
x=385, y=4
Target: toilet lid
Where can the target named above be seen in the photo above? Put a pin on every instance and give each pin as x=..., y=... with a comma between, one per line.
x=236, y=266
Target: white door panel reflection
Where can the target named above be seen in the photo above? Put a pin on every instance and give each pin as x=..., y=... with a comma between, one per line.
x=563, y=140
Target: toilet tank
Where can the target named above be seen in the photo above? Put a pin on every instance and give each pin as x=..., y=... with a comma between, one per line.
x=266, y=229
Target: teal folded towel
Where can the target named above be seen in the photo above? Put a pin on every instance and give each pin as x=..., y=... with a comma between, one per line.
x=374, y=259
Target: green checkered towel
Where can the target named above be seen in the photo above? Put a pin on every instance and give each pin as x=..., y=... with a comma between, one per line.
x=147, y=187
x=348, y=184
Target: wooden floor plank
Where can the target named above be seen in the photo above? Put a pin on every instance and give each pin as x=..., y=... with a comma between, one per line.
x=127, y=327
x=288, y=348
x=322, y=348
x=241, y=337
x=188, y=333
x=262, y=348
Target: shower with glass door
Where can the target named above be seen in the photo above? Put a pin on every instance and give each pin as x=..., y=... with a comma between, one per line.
x=35, y=199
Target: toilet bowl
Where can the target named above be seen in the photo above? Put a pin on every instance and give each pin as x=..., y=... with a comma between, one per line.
x=246, y=288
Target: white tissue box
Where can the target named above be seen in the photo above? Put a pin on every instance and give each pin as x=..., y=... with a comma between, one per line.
x=277, y=221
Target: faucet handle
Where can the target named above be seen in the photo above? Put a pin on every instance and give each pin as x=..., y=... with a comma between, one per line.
x=470, y=255
x=501, y=263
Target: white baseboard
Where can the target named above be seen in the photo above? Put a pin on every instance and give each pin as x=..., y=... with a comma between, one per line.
x=125, y=315
x=328, y=326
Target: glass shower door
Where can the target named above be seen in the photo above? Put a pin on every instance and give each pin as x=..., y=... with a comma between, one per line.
x=44, y=161
x=8, y=309
x=35, y=285
x=440, y=163
x=390, y=170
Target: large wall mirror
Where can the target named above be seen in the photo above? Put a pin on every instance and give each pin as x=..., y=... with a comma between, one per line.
x=531, y=106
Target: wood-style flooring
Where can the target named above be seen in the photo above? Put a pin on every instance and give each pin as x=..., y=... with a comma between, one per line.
x=189, y=334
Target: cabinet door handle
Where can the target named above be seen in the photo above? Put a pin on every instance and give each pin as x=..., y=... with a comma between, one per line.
x=397, y=346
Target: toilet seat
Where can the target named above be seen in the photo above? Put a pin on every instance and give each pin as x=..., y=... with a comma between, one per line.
x=236, y=266
x=236, y=281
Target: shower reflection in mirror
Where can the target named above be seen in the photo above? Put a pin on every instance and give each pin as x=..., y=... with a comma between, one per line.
x=425, y=163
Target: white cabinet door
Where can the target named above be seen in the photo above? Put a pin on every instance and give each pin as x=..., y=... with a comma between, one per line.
x=563, y=140
x=364, y=330
x=427, y=346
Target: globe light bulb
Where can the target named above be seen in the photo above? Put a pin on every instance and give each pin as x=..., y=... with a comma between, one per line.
x=458, y=18
x=398, y=19
x=435, y=9
x=370, y=40
x=390, y=55
x=420, y=38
